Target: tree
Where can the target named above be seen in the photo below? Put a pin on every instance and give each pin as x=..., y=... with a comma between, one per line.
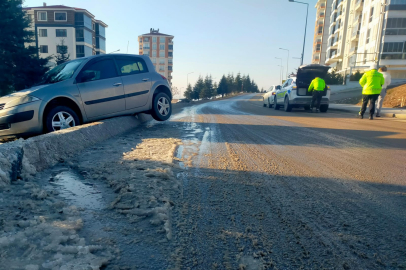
x=334, y=78
x=62, y=54
x=238, y=82
x=356, y=76
x=189, y=92
x=198, y=88
x=207, y=91
x=231, y=85
x=223, y=87
x=20, y=66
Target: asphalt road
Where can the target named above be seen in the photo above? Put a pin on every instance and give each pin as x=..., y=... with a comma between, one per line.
x=266, y=189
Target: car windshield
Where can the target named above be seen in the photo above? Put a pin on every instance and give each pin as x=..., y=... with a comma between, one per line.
x=61, y=72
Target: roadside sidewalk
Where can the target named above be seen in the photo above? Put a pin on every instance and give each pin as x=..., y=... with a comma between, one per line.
x=386, y=112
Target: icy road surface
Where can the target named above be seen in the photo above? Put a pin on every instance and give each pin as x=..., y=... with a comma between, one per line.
x=226, y=184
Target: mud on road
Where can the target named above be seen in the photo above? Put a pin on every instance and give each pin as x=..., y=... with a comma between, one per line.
x=223, y=185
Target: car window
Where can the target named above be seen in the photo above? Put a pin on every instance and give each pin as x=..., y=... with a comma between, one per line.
x=62, y=72
x=131, y=65
x=103, y=69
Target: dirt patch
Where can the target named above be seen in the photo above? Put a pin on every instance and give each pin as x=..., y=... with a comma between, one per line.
x=395, y=98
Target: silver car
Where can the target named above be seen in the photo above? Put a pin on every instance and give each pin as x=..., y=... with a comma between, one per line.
x=85, y=90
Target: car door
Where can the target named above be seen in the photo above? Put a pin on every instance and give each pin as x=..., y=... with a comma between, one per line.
x=281, y=93
x=102, y=91
x=137, y=83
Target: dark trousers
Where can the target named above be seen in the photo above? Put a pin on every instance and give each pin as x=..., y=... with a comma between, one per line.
x=372, y=100
x=317, y=95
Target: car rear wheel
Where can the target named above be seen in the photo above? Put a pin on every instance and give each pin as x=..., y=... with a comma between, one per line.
x=61, y=117
x=161, y=107
x=276, y=106
x=269, y=104
x=287, y=107
x=323, y=108
x=307, y=108
x=263, y=101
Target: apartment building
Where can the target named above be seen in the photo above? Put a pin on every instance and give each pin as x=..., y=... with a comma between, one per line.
x=80, y=32
x=356, y=29
x=321, y=31
x=159, y=47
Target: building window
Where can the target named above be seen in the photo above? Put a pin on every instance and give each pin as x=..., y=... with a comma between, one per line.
x=60, y=16
x=161, y=53
x=60, y=49
x=161, y=68
x=80, y=51
x=146, y=53
x=393, y=47
x=162, y=46
x=318, y=47
x=162, y=60
x=170, y=61
x=146, y=46
x=170, y=47
x=80, y=37
x=153, y=53
x=93, y=27
x=154, y=39
x=146, y=39
x=320, y=31
x=43, y=48
x=371, y=14
x=154, y=46
x=368, y=35
x=170, y=54
x=153, y=60
x=161, y=40
x=61, y=33
x=42, y=32
x=169, y=67
x=30, y=16
x=42, y=16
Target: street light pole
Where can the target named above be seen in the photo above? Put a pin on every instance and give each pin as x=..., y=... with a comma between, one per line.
x=114, y=51
x=281, y=72
x=187, y=79
x=307, y=14
x=287, y=62
x=280, y=65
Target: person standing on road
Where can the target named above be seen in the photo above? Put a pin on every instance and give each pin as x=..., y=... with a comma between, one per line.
x=381, y=97
x=371, y=83
x=317, y=86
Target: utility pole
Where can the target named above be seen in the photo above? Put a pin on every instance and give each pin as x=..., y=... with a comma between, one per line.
x=383, y=13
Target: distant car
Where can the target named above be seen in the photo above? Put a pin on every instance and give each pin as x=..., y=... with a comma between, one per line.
x=294, y=92
x=183, y=100
x=85, y=90
x=268, y=98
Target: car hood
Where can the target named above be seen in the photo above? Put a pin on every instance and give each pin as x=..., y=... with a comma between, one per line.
x=307, y=73
x=8, y=98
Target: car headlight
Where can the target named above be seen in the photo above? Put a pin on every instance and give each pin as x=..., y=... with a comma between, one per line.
x=20, y=100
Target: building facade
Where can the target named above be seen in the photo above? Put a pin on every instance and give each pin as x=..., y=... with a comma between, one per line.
x=159, y=47
x=321, y=31
x=356, y=29
x=76, y=28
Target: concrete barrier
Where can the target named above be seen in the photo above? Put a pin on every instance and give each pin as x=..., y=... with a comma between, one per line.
x=24, y=158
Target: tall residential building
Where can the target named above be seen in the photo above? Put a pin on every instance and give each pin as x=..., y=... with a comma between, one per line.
x=159, y=47
x=76, y=27
x=337, y=40
x=321, y=31
x=355, y=34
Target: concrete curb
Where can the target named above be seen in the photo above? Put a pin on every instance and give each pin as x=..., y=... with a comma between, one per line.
x=393, y=115
x=23, y=158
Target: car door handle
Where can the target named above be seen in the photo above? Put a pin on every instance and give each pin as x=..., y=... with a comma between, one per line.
x=117, y=84
x=146, y=79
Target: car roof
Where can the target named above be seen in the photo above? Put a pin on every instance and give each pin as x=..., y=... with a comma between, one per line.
x=115, y=54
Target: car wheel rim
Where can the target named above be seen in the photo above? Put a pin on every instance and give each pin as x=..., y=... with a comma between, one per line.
x=62, y=120
x=163, y=106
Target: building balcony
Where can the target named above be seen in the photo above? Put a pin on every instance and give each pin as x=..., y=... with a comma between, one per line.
x=357, y=19
x=359, y=5
x=355, y=35
x=353, y=50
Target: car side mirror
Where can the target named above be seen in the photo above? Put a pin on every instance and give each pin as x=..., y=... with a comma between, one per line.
x=87, y=76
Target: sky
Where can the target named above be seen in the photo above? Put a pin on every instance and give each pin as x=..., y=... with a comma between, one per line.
x=211, y=37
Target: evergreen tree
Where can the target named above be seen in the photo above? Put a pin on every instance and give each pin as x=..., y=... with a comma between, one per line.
x=198, y=88
x=20, y=66
x=207, y=91
x=223, y=87
x=215, y=87
x=230, y=83
x=238, y=82
x=247, y=84
x=189, y=92
x=63, y=55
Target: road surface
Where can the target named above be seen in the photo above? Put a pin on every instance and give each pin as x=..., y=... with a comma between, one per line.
x=227, y=184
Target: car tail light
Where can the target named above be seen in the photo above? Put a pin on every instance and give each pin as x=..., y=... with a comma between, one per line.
x=273, y=93
x=163, y=77
x=294, y=87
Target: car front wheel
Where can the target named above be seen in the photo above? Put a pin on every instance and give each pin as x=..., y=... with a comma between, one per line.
x=276, y=106
x=269, y=104
x=61, y=117
x=161, y=107
x=287, y=106
x=324, y=108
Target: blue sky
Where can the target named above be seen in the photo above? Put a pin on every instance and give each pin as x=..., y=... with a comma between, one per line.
x=211, y=36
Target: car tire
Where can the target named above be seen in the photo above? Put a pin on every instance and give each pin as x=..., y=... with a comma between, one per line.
x=161, y=107
x=287, y=106
x=323, y=108
x=61, y=117
x=307, y=108
x=276, y=106
x=263, y=101
x=269, y=104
